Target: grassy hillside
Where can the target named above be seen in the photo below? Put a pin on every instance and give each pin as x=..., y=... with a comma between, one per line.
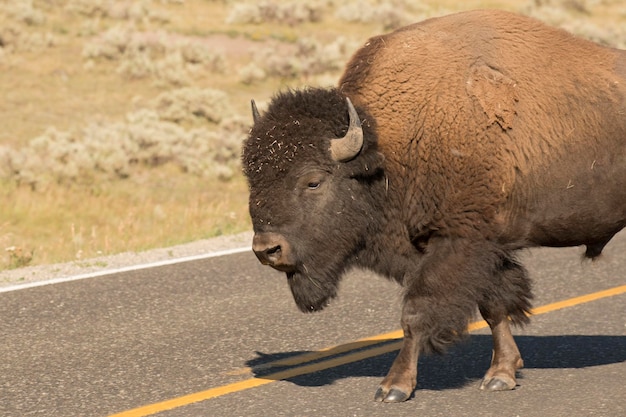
x=122, y=119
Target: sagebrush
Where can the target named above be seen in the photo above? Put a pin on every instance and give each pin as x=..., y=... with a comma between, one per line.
x=107, y=150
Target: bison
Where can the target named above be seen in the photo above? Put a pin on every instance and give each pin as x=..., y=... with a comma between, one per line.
x=447, y=146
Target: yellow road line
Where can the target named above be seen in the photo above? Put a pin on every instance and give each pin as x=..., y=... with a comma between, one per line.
x=321, y=353
x=334, y=362
x=570, y=302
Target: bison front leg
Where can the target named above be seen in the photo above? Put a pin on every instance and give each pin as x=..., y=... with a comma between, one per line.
x=402, y=377
x=442, y=292
x=430, y=324
x=438, y=303
x=506, y=358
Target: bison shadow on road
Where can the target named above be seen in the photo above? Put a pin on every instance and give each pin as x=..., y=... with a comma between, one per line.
x=462, y=365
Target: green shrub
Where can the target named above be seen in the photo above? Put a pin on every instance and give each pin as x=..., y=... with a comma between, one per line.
x=143, y=11
x=252, y=74
x=158, y=55
x=364, y=11
x=18, y=257
x=284, y=12
x=111, y=44
x=575, y=16
x=187, y=104
x=89, y=8
x=307, y=58
x=391, y=14
x=17, y=38
x=23, y=11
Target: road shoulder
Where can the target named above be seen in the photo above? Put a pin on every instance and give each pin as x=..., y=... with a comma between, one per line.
x=14, y=278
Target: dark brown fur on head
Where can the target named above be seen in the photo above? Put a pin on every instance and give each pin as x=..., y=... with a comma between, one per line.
x=298, y=126
x=325, y=227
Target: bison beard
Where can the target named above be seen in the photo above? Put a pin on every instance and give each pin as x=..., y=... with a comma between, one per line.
x=310, y=294
x=315, y=281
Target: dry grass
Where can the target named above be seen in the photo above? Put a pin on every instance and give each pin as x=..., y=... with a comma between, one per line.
x=157, y=210
x=75, y=65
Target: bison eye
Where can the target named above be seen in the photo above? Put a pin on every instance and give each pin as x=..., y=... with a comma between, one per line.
x=311, y=180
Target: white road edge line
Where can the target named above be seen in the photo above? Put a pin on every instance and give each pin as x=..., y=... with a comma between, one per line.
x=138, y=267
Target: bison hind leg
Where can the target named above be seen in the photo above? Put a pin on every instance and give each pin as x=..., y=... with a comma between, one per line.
x=508, y=300
x=512, y=290
x=506, y=358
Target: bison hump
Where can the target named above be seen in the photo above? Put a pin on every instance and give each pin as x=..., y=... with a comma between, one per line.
x=495, y=92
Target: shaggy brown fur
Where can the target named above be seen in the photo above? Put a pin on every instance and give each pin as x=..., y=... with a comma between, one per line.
x=484, y=132
x=526, y=122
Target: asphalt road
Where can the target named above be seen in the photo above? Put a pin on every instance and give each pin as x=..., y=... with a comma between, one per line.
x=196, y=338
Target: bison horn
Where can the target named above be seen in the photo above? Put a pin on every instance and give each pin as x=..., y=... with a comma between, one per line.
x=255, y=112
x=350, y=145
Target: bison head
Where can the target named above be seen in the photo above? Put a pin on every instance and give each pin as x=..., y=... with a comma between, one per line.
x=315, y=179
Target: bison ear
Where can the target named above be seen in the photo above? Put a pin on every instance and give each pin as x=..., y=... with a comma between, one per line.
x=346, y=148
x=255, y=112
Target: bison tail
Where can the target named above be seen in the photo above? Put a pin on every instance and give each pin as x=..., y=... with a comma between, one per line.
x=593, y=252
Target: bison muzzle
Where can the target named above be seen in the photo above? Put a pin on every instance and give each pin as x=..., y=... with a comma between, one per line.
x=448, y=146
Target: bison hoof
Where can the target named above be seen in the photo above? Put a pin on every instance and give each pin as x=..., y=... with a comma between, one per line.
x=394, y=395
x=498, y=383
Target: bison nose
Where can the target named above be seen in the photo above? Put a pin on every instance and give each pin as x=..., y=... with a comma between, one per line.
x=273, y=249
